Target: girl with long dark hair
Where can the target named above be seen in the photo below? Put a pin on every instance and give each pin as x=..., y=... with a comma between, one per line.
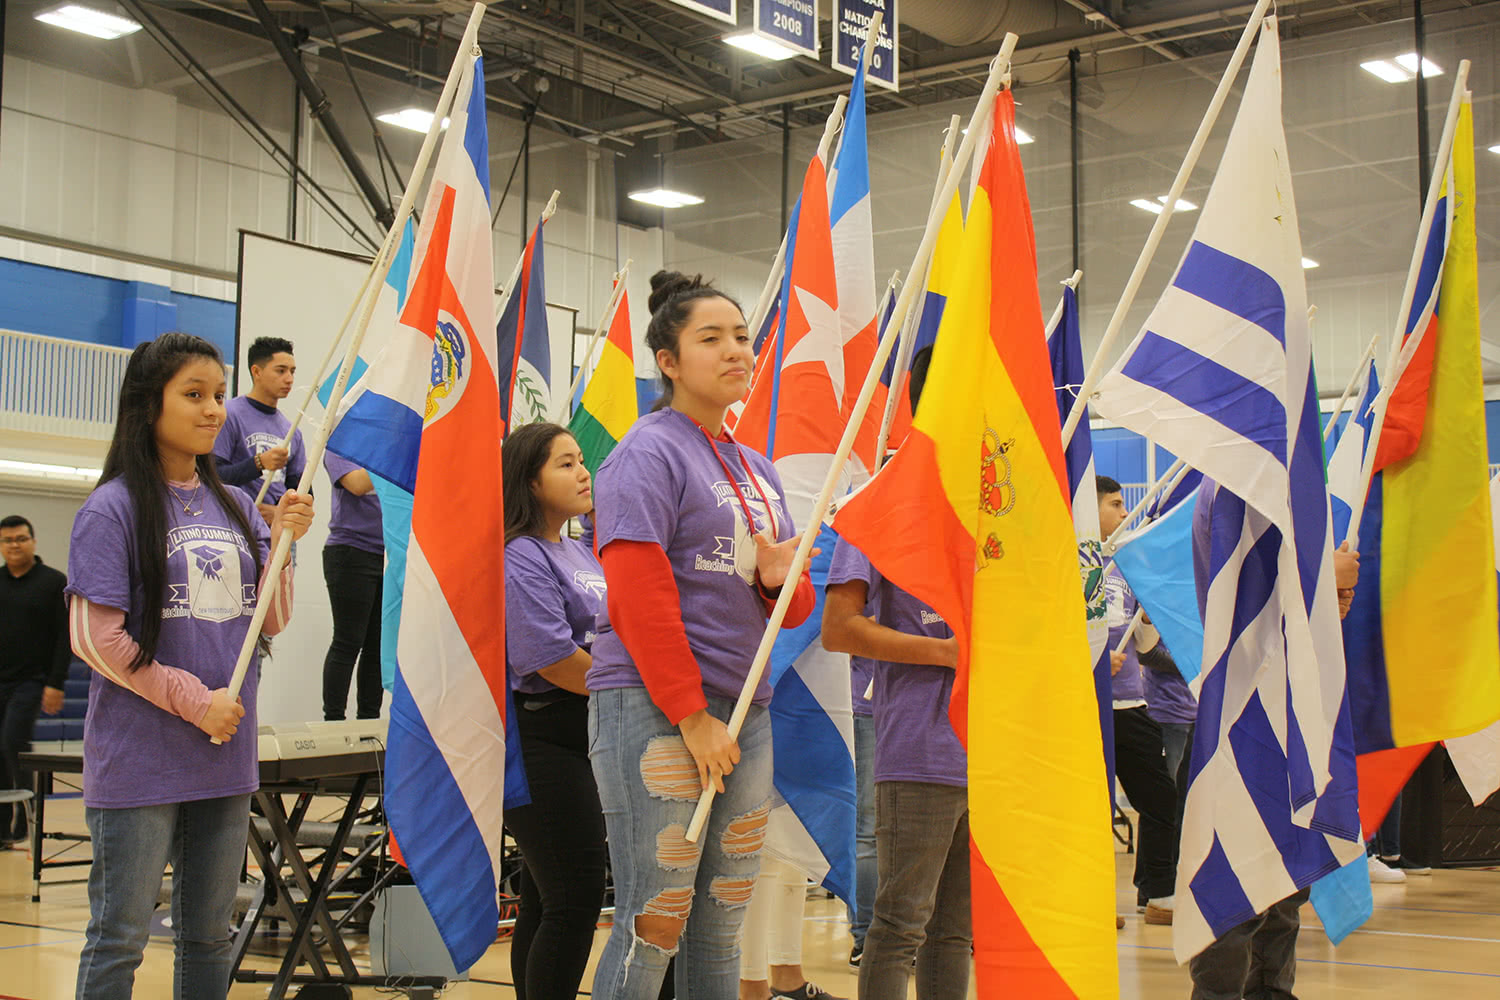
x=164, y=572
x=696, y=544
x=554, y=589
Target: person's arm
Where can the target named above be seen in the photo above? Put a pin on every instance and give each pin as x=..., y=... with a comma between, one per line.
x=568, y=673
x=356, y=483
x=847, y=630
x=99, y=638
x=804, y=599
x=57, y=669
x=238, y=473
x=645, y=610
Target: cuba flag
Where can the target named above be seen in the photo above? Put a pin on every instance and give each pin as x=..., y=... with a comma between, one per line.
x=445, y=762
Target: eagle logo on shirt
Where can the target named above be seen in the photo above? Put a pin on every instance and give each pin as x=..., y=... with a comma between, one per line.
x=205, y=582
x=590, y=583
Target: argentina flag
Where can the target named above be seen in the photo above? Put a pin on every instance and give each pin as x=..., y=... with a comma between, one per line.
x=1222, y=375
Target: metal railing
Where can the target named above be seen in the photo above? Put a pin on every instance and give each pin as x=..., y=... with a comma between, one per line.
x=67, y=388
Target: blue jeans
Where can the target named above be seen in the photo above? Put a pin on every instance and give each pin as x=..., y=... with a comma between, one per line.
x=865, y=867
x=205, y=842
x=648, y=787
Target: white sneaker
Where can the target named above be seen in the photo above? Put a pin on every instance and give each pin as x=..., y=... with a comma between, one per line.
x=1381, y=872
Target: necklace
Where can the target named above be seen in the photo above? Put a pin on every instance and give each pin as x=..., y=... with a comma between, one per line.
x=187, y=504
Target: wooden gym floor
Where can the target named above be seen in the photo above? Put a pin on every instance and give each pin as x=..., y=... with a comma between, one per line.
x=1435, y=936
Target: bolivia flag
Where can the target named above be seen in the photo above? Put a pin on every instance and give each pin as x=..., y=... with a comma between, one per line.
x=973, y=517
x=608, y=406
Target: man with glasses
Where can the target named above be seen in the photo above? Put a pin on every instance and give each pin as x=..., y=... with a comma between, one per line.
x=34, y=656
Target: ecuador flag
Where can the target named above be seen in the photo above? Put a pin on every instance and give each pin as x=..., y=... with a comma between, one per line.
x=1425, y=540
x=608, y=405
x=1426, y=535
x=972, y=516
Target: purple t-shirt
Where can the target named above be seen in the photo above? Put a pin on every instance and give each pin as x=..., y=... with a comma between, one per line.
x=135, y=754
x=1168, y=698
x=554, y=591
x=355, y=520
x=1127, y=685
x=666, y=484
x=914, y=738
x=251, y=428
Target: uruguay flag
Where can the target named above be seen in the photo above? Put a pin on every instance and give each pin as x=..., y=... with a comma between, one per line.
x=1065, y=344
x=525, y=349
x=435, y=383
x=1222, y=375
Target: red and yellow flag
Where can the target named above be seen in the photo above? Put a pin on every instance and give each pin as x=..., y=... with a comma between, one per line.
x=973, y=517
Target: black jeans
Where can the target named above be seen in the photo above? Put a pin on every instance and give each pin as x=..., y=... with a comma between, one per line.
x=1142, y=770
x=561, y=836
x=353, y=578
x=1256, y=960
x=20, y=701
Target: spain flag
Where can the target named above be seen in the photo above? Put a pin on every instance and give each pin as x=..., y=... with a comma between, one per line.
x=973, y=517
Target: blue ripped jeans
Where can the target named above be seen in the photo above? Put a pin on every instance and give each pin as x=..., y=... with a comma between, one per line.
x=648, y=786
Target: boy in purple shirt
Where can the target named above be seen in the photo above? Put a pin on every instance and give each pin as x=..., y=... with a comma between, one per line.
x=1139, y=761
x=353, y=567
x=921, y=782
x=249, y=443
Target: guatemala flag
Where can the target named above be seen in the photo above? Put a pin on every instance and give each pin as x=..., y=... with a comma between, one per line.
x=1222, y=375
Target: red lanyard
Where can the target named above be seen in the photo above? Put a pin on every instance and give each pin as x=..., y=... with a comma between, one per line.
x=749, y=477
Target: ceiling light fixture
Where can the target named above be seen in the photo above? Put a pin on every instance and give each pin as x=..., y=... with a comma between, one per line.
x=88, y=21
x=1155, y=207
x=665, y=198
x=760, y=45
x=415, y=119
x=1401, y=69
x=1308, y=263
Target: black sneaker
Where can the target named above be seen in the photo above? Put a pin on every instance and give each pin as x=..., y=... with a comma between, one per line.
x=1402, y=864
x=807, y=991
x=855, y=954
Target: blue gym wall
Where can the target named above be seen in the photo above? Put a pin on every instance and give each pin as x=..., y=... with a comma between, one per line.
x=59, y=303
x=56, y=302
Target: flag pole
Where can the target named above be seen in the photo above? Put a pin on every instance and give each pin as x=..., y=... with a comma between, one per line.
x=328, y=355
x=1359, y=372
x=515, y=274
x=1135, y=623
x=773, y=280
x=999, y=75
x=909, y=329
x=1401, y=352
x=1172, y=476
x=1071, y=282
x=889, y=413
x=1102, y=356
x=462, y=61
x=610, y=308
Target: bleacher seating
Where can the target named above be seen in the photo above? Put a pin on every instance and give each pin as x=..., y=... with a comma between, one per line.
x=68, y=724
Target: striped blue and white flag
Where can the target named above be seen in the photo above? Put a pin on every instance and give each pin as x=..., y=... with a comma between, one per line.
x=1065, y=344
x=1222, y=375
x=1347, y=463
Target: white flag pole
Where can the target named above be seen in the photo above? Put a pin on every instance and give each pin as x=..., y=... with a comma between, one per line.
x=1072, y=282
x=1401, y=352
x=1135, y=623
x=463, y=62
x=1354, y=380
x=1103, y=357
x=908, y=330
x=605, y=323
x=999, y=74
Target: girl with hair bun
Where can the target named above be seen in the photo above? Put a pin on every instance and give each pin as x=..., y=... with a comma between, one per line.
x=696, y=544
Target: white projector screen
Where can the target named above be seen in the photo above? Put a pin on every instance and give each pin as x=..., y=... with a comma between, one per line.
x=302, y=293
